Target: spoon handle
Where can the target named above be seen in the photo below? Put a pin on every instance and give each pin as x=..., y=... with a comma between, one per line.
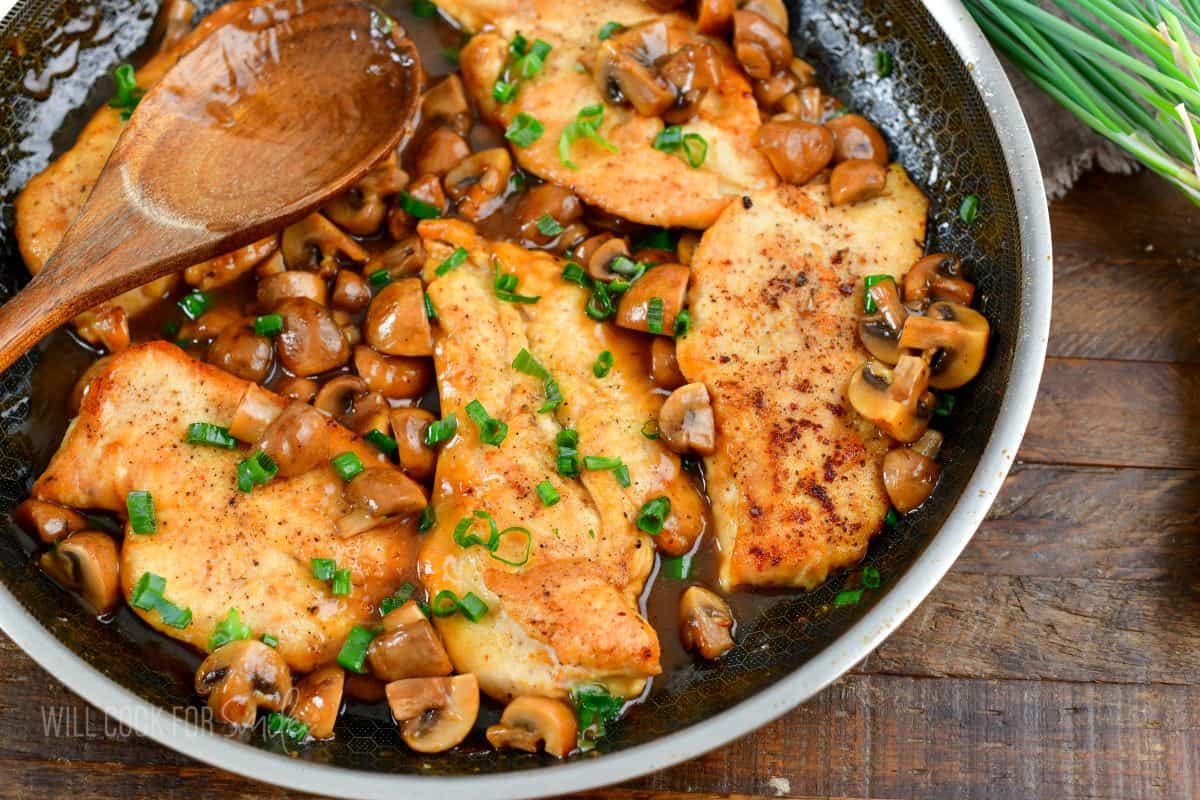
x=28, y=316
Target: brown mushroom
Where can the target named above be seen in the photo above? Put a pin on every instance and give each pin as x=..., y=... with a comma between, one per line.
x=274, y=289
x=416, y=458
x=318, y=699
x=664, y=5
x=666, y=283
x=257, y=409
x=84, y=382
x=87, y=562
x=49, y=521
x=395, y=377
x=625, y=71
x=529, y=722
x=896, y=400
x=770, y=92
x=240, y=351
x=880, y=332
x=109, y=326
x=705, y=623
x=434, y=714
x=664, y=367
x=954, y=339
x=856, y=180
x=239, y=677
x=798, y=150
x=300, y=389
x=408, y=647
x=441, y=151
x=271, y=265
x=938, y=276
x=653, y=256
x=311, y=342
x=316, y=243
x=855, y=138
x=542, y=201
x=376, y=495
x=715, y=17
x=210, y=324
x=445, y=103
x=428, y=190
x=479, y=182
x=761, y=46
x=361, y=210
x=597, y=254
x=366, y=688
x=403, y=259
x=910, y=473
x=297, y=440
x=396, y=322
x=685, y=421
x=347, y=399
x=351, y=292
x=692, y=70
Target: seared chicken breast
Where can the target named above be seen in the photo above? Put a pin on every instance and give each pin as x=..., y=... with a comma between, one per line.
x=634, y=181
x=775, y=296
x=217, y=547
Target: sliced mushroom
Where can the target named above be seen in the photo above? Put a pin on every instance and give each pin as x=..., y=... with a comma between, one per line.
x=479, y=182
x=210, y=324
x=271, y=265
x=434, y=714
x=910, y=473
x=692, y=70
x=446, y=104
x=403, y=259
x=715, y=17
x=705, y=623
x=880, y=332
x=856, y=180
x=773, y=10
x=297, y=440
x=685, y=421
x=954, y=339
x=316, y=243
x=529, y=722
x=408, y=647
x=653, y=256
x=84, y=382
x=239, y=677
x=49, y=521
x=362, y=209
x=770, y=92
x=318, y=699
x=427, y=189
x=347, y=399
x=547, y=200
x=396, y=321
x=416, y=458
x=351, y=292
x=664, y=367
x=109, y=326
x=365, y=688
x=666, y=282
x=377, y=494
x=395, y=377
x=897, y=401
x=87, y=562
x=798, y=150
x=303, y=390
x=598, y=253
x=273, y=290
x=761, y=46
x=855, y=138
x=441, y=152
x=222, y=270
x=311, y=342
x=625, y=70
x=240, y=351
x=938, y=276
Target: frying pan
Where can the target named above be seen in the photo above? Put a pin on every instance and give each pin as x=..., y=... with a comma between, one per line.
x=951, y=119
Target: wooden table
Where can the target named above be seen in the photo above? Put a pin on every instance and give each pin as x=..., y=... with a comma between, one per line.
x=1059, y=658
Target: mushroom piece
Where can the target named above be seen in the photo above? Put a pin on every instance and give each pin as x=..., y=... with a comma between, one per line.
x=666, y=283
x=664, y=367
x=625, y=70
x=318, y=699
x=547, y=200
x=361, y=210
x=434, y=714
x=87, y=562
x=445, y=103
x=856, y=180
x=685, y=421
x=855, y=138
x=406, y=257
x=239, y=677
x=297, y=440
x=479, y=182
x=773, y=10
x=300, y=389
x=210, y=324
x=938, y=276
x=880, y=332
x=685, y=249
x=273, y=290
x=351, y=292
x=84, y=382
x=257, y=409
x=705, y=623
x=529, y=722
x=897, y=401
x=761, y=46
x=348, y=399
x=49, y=521
x=408, y=647
x=394, y=377
x=311, y=341
x=769, y=92
x=798, y=150
x=365, y=688
x=954, y=339
x=910, y=473
x=598, y=254
x=416, y=458
x=396, y=321
x=441, y=151
x=377, y=494
x=240, y=351
x=316, y=243
x=692, y=70
x=111, y=327
x=427, y=189
x=715, y=17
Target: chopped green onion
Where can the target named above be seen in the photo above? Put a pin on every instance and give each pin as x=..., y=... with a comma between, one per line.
x=527, y=364
x=323, y=568
x=140, y=505
x=171, y=329
x=968, y=212
x=256, y=470
x=424, y=9
x=427, y=521
x=504, y=285
x=654, y=315
x=869, y=281
x=451, y=54
x=504, y=91
x=195, y=304
x=464, y=538
x=504, y=282
x=661, y=239
x=677, y=567
x=621, y=473
x=586, y=126
x=600, y=305
x=518, y=46
x=848, y=597
x=596, y=709
x=147, y=591
x=567, y=441
x=695, y=150
x=382, y=442
x=379, y=279
x=280, y=724
x=524, y=130
x=341, y=582
x=127, y=95
x=430, y=311
x=530, y=64
x=683, y=323
x=945, y=405
x=650, y=429
x=871, y=577
x=548, y=494
x=491, y=431
x=574, y=273
x=347, y=464
x=623, y=265
x=669, y=139
x=381, y=24
x=603, y=364
x=354, y=649
x=418, y=208
x=608, y=29
x=891, y=519
x=883, y=63
x=441, y=430
x=554, y=397
x=230, y=629
x=548, y=226
x=269, y=640
x=453, y=260
x=268, y=325
x=444, y=603
x=401, y=596
x=211, y=435
x=173, y=615
x=653, y=514
x=494, y=549
x=595, y=463
x=472, y=607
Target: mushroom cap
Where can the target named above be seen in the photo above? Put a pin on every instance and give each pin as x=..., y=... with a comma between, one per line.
x=856, y=138
x=897, y=401
x=705, y=622
x=297, y=440
x=856, y=180
x=394, y=377
x=957, y=337
x=311, y=341
x=240, y=351
x=625, y=68
x=668, y=283
x=87, y=562
x=479, y=182
x=685, y=421
x=408, y=647
x=664, y=366
x=416, y=458
x=909, y=477
x=51, y=522
x=318, y=699
x=396, y=321
x=938, y=276
x=529, y=721
x=880, y=332
x=434, y=714
x=376, y=494
x=257, y=409
x=347, y=399
x=240, y=676
x=315, y=242
x=762, y=48
x=797, y=149
x=274, y=289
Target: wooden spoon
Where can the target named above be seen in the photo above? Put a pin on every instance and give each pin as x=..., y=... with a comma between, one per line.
x=268, y=117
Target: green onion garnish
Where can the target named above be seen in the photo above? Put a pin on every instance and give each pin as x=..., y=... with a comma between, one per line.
x=354, y=649
x=567, y=441
x=603, y=365
x=379, y=279
x=650, y=429
x=140, y=505
x=341, y=582
x=683, y=323
x=883, y=63
x=548, y=494
x=418, y=208
x=491, y=431
x=869, y=281
x=269, y=640
x=427, y=521
x=532, y=62
x=401, y=596
x=527, y=364
x=600, y=305
x=195, y=304
x=653, y=515
x=523, y=558
x=871, y=577
x=621, y=473
x=347, y=464
x=596, y=709
x=677, y=567
x=382, y=442
x=672, y=139
x=430, y=311
x=279, y=724
x=441, y=430
x=424, y=9
x=518, y=46
x=323, y=568
x=268, y=325
x=586, y=126
x=892, y=518
x=595, y=463
x=623, y=265
x=669, y=139
x=608, y=29
x=147, y=591
x=504, y=91
x=661, y=239
x=968, y=212
x=173, y=615
x=575, y=274
x=126, y=95
x=256, y=470
x=554, y=397
x=230, y=629
x=453, y=260
x=211, y=435
x=654, y=315
x=472, y=607
x=849, y=597
x=548, y=226
x=945, y=405
x=444, y=603
x=695, y=150
x=464, y=538
x=524, y=130
x=505, y=284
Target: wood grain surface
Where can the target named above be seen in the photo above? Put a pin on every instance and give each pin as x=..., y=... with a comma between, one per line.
x=1060, y=658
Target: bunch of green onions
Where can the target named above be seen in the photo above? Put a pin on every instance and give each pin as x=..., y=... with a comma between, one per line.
x=1127, y=68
